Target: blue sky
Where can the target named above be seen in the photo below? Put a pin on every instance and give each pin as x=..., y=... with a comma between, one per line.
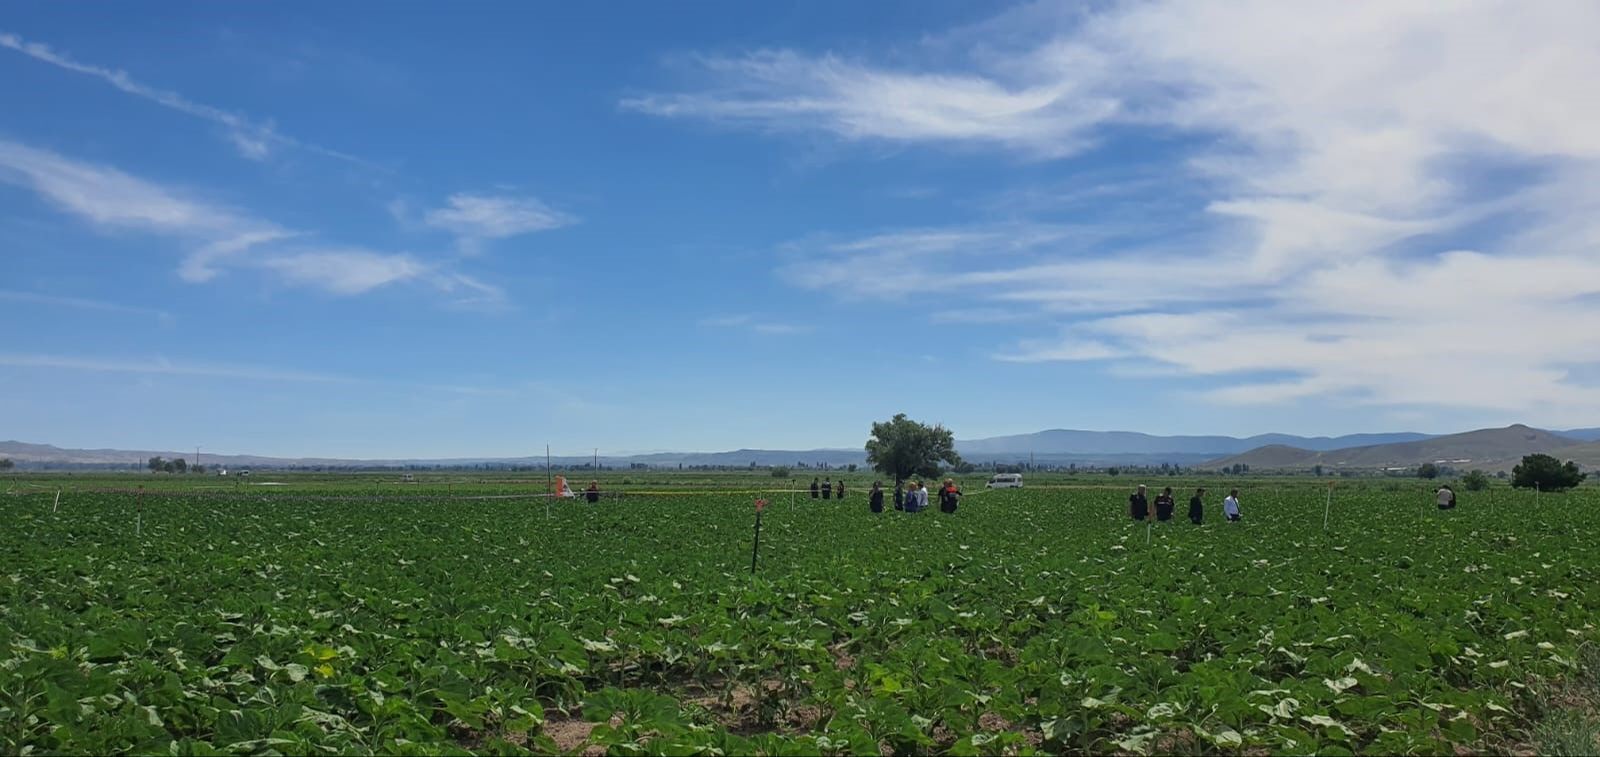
x=364, y=230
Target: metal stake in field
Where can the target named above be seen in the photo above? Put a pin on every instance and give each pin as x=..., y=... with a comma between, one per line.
x=549, y=483
x=138, y=519
x=1329, y=508
x=755, y=550
x=1148, y=524
x=57, y=505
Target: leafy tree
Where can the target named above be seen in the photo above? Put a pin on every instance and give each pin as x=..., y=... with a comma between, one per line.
x=1546, y=474
x=851, y=467
x=780, y=472
x=1316, y=470
x=169, y=467
x=965, y=467
x=1475, y=481
x=1427, y=470
x=1113, y=471
x=901, y=447
x=180, y=465
x=197, y=469
x=6, y=464
x=156, y=464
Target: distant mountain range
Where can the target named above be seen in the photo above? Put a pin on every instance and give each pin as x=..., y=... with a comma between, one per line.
x=1053, y=447
x=1490, y=449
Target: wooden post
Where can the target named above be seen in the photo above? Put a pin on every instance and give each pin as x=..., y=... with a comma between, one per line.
x=57, y=505
x=138, y=521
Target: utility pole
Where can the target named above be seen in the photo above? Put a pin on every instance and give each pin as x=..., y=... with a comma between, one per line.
x=597, y=458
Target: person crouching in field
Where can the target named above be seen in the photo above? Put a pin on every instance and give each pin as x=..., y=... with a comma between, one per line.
x=949, y=496
x=1197, y=507
x=1138, y=506
x=875, y=497
x=1446, y=497
x=593, y=492
x=1165, y=504
x=1230, y=506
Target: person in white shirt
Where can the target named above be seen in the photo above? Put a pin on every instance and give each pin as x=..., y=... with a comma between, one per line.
x=1230, y=506
x=1445, y=498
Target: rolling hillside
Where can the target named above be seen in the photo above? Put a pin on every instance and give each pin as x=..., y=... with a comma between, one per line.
x=1490, y=449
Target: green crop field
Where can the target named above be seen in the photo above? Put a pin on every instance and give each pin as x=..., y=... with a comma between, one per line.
x=355, y=614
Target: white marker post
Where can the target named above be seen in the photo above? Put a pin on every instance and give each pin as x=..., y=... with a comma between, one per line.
x=138, y=519
x=1328, y=508
x=57, y=505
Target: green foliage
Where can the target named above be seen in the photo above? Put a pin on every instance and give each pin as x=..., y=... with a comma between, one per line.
x=1428, y=471
x=156, y=464
x=1475, y=481
x=780, y=472
x=308, y=618
x=902, y=448
x=1546, y=474
x=6, y=464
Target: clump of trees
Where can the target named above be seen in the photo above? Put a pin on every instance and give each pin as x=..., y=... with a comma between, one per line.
x=6, y=464
x=901, y=448
x=1428, y=470
x=1475, y=481
x=1546, y=474
x=780, y=472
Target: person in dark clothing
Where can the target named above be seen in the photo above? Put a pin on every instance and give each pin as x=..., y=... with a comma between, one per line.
x=839, y=490
x=875, y=497
x=827, y=489
x=899, y=495
x=593, y=492
x=1138, y=506
x=1165, y=504
x=1197, y=507
x=949, y=496
x=816, y=489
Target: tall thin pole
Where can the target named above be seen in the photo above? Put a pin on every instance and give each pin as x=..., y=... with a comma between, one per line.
x=1328, y=508
x=597, y=458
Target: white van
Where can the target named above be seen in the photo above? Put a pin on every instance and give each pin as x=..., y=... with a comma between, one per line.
x=1005, y=481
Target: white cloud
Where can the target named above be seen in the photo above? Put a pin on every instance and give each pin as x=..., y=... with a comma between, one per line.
x=751, y=323
x=220, y=239
x=343, y=271
x=253, y=140
x=83, y=303
x=163, y=366
x=786, y=91
x=478, y=216
x=1341, y=157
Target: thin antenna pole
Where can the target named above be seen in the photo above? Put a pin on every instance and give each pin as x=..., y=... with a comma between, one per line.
x=549, y=483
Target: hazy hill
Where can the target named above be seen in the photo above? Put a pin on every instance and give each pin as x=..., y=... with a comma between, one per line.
x=1490, y=448
x=1068, y=441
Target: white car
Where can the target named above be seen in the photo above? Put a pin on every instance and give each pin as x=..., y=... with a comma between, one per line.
x=1005, y=481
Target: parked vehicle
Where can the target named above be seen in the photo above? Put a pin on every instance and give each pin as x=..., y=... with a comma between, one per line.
x=1005, y=481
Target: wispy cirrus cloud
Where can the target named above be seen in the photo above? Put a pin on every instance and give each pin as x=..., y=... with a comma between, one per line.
x=1389, y=204
x=83, y=303
x=220, y=239
x=255, y=140
x=746, y=322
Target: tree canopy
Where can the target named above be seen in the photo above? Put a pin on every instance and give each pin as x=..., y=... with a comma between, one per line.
x=1546, y=474
x=1476, y=481
x=1427, y=470
x=901, y=447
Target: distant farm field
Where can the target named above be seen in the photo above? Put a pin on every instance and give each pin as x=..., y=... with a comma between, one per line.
x=360, y=615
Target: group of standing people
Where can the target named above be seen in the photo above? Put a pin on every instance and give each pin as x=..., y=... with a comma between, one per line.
x=913, y=497
x=1139, y=506
x=826, y=489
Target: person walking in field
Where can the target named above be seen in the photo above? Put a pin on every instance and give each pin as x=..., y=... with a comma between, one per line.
x=899, y=495
x=839, y=490
x=827, y=488
x=1197, y=507
x=1230, y=506
x=1165, y=504
x=922, y=496
x=1138, y=506
x=816, y=488
x=875, y=497
x=593, y=492
x=916, y=497
x=1446, y=497
x=949, y=496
